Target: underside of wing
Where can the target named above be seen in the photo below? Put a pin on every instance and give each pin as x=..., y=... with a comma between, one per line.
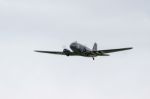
x=57, y=52
x=115, y=50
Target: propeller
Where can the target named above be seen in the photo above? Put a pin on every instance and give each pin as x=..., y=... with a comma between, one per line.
x=64, y=47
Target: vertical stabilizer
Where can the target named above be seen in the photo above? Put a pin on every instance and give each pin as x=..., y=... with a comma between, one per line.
x=95, y=47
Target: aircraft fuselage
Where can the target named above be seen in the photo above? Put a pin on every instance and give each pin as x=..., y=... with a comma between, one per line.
x=80, y=49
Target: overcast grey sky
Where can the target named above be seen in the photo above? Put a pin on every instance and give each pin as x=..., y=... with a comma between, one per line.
x=27, y=25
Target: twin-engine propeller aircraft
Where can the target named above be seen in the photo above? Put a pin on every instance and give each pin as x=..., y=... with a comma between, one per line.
x=81, y=50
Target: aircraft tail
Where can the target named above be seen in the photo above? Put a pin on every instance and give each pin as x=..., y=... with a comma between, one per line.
x=95, y=47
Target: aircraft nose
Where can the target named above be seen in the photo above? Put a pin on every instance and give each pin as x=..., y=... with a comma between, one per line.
x=72, y=45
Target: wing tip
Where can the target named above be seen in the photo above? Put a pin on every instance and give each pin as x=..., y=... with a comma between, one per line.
x=38, y=51
x=130, y=48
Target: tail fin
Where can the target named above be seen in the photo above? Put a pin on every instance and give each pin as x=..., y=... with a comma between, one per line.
x=95, y=47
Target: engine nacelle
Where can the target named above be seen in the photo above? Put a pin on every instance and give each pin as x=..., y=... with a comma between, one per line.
x=67, y=52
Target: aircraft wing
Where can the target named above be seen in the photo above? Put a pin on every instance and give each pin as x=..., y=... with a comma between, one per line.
x=55, y=52
x=115, y=50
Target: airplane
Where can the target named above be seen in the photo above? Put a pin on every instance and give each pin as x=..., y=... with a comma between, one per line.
x=78, y=49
